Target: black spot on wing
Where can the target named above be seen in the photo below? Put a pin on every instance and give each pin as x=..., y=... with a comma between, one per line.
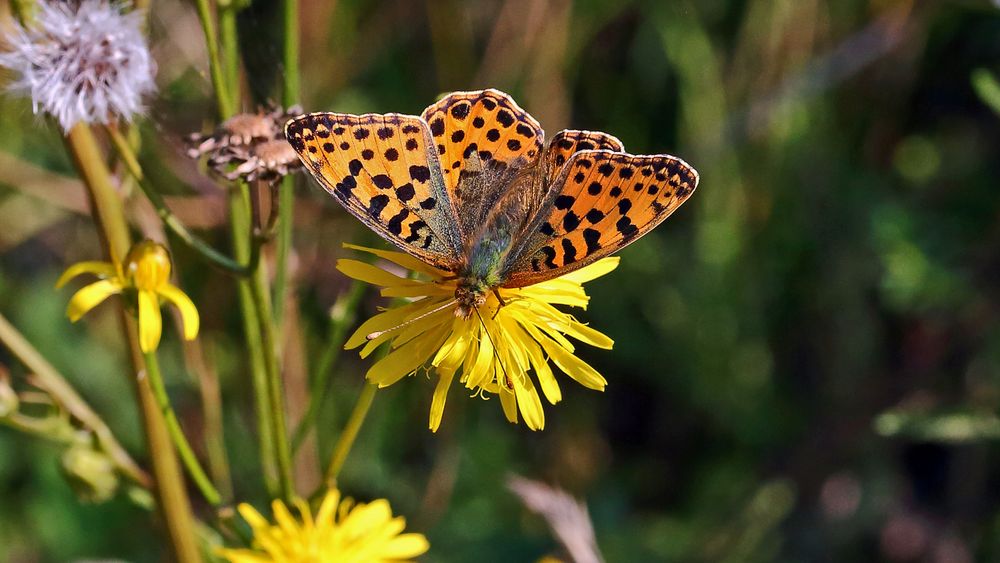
x=569, y=251
x=437, y=127
x=382, y=181
x=405, y=192
x=460, y=111
x=594, y=215
x=395, y=224
x=550, y=256
x=570, y=221
x=420, y=173
x=593, y=239
x=626, y=228
x=377, y=204
x=564, y=201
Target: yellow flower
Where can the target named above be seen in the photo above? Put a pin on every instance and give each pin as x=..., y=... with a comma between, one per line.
x=494, y=349
x=143, y=279
x=341, y=532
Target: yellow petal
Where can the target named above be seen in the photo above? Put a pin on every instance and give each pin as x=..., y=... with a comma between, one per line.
x=401, y=259
x=528, y=402
x=189, y=313
x=484, y=366
x=453, y=349
x=412, y=330
x=99, y=269
x=254, y=518
x=520, y=338
x=90, y=296
x=593, y=271
x=368, y=273
x=588, y=335
x=386, y=320
x=557, y=292
x=328, y=507
x=509, y=404
x=405, y=546
x=445, y=378
x=407, y=358
x=150, y=323
x=423, y=289
x=574, y=367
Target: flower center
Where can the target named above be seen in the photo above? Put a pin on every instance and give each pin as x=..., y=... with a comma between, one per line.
x=147, y=266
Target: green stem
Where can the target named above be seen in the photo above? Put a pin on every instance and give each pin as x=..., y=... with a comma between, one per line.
x=275, y=391
x=109, y=217
x=290, y=53
x=49, y=379
x=188, y=457
x=259, y=292
x=275, y=459
x=222, y=96
x=290, y=96
x=350, y=433
x=175, y=225
x=230, y=51
x=341, y=318
x=239, y=216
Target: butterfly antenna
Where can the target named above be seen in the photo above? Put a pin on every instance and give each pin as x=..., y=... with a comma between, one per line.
x=496, y=351
x=408, y=322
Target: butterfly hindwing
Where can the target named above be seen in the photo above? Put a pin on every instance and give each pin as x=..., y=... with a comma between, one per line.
x=601, y=202
x=569, y=141
x=383, y=170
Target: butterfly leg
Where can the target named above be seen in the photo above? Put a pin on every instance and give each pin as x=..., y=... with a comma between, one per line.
x=502, y=303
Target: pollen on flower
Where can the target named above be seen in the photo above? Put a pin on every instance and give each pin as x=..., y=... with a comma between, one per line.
x=504, y=350
x=82, y=62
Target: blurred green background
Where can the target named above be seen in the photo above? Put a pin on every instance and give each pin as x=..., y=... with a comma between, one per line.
x=807, y=358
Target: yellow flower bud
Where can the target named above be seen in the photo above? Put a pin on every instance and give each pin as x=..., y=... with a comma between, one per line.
x=147, y=266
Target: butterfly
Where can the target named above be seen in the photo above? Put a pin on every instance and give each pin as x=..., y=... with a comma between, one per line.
x=471, y=187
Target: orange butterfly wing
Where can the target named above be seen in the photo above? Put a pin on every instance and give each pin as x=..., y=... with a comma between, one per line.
x=569, y=141
x=487, y=123
x=384, y=171
x=601, y=202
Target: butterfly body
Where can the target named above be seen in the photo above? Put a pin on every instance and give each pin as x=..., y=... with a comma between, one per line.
x=471, y=188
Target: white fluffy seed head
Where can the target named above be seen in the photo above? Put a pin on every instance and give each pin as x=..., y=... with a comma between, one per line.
x=82, y=62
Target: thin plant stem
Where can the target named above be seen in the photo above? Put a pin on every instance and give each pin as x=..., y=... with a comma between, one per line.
x=49, y=379
x=225, y=103
x=275, y=390
x=350, y=433
x=239, y=214
x=264, y=376
x=259, y=291
x=290, y=53
x=109, y=217
x=290, y=96
x=175, y=225
x=341, y=318
x=211, y=409
x=187, y=454
x=230, y=51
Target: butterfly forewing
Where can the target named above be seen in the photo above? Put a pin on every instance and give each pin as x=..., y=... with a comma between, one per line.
x=482, y=138
x=383, y=170
x=601, y=202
